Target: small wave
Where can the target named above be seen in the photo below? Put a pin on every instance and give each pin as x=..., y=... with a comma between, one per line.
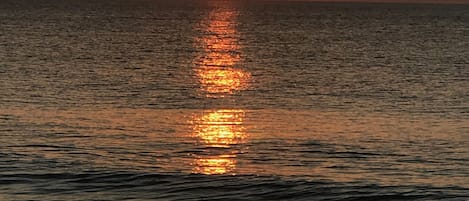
x=170, y=186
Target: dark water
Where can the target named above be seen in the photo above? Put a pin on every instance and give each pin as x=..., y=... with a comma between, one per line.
x=233, y=100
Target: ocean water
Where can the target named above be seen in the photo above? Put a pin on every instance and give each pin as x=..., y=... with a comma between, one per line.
x=233, y=100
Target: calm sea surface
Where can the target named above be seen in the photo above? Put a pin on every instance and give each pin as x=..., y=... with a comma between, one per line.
x=233, y=100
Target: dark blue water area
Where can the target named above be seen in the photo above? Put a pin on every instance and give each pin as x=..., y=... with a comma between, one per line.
x=125, y=185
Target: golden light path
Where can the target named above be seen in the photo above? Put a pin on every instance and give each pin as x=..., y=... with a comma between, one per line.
x=219, y=75
x=219, y=82
x=220, y=128
x=216, y=65
x=217, y=165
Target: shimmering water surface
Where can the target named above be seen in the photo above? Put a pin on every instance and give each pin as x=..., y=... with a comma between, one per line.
x=233, y=100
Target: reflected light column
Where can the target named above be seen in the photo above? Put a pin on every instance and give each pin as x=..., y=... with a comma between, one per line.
x=223, y=129
x=215, y=66
x=218, y=73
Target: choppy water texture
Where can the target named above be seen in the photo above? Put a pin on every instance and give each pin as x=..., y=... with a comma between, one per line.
x=233, y=100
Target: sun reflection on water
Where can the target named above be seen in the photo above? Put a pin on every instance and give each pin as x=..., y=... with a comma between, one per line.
x=215, y=165
x=219, y=74
x=221, y=129
x=216, y=65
